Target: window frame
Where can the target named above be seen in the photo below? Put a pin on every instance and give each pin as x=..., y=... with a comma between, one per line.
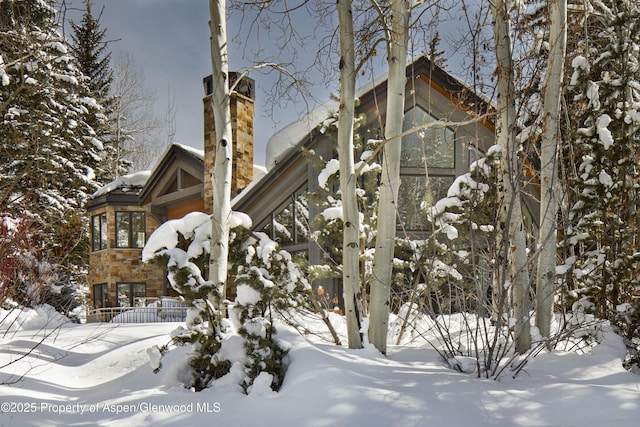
x=102, y=238
x=425, y=164
x=267, y=226
x=426, y=171
x=130, y=232
x=104, y=293
x=131, y=285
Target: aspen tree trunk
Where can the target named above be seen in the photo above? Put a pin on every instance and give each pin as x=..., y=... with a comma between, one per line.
x=397, y=41
x=510, y=221
x=351, y=220
x=547, y=239
x=221, y=174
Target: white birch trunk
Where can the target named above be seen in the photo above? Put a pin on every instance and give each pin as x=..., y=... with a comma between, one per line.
x=510, y=216
x=547, y=239
x=397, y=40
x=221, y=174
x=351, y=221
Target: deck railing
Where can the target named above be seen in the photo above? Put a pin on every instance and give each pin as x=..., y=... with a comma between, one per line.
x=165, y=309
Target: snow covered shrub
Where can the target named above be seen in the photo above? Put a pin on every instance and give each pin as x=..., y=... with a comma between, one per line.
x=627, y=321
x=27, y=276
x=266, y=280
x=462, y=240
x=183, y=246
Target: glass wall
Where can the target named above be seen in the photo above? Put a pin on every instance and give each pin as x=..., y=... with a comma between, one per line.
x=433, y=146
x=289, y=223
x=100, y=295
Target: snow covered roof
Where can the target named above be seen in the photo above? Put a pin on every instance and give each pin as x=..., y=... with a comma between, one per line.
x=289, y=137
x=286, y=139
x=137, y=180
x=259, y=172
x=196, y=152
x=130, y=182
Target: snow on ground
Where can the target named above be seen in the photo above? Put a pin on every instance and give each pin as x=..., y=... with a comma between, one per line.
x=99, y=374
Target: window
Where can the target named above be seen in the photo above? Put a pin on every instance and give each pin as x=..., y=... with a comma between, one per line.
x=130, y=230
x=418, y=193
x=434, y=145
x=99, y=232
x=289, y=224
x=131, y=294
x=431, y=150
x=100, y=295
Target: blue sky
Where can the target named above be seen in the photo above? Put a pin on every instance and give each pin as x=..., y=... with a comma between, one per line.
x=169, y=43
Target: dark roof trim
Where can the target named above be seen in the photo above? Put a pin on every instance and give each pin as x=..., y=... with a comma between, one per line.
x=175, y=153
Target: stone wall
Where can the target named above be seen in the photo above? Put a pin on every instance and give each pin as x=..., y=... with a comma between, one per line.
x=123, y=265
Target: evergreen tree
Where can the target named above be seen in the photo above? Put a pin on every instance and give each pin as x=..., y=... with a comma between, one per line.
x=49, y=155
x=266, y=281
x=606, y=124
x=92, y=58
x=89, y=49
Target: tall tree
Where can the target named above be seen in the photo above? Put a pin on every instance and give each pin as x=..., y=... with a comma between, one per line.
x=89, y=49
x=48, y=151
x=605, y=217
x=512, y=257
x=397, y=36
x=222, y=170
x=549, y=185
x=348, y=177
x=134, y=141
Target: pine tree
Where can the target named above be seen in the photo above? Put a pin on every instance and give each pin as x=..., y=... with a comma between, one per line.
x=606, y=121
x=49, y=156
x=89, y=49
x=92, y=58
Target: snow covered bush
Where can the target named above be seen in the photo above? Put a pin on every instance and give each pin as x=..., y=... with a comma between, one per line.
x=627, y=321
x=265, y=279
x=182, y=246
x=267, y=282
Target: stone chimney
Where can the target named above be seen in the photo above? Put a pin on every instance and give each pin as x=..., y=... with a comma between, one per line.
x=242, y=111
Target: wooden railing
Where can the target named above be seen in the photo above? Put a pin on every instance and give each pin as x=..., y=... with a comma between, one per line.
x=161, y=310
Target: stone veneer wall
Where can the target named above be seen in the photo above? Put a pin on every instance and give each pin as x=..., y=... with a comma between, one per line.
x=242, y=113
x=119, y=265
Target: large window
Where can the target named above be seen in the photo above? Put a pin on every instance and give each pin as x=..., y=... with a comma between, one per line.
x=289, y=223
x=130, y=230
x=99, y=232
x=100, y=295
x=434, y=145
x=427, y=168
x=131, y=294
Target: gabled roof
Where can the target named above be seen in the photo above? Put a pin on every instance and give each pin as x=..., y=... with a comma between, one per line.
x=190, y=156
x=132, y=189
x=291, y=136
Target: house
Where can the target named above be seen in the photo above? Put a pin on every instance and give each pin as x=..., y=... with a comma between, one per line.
x=125, y=212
